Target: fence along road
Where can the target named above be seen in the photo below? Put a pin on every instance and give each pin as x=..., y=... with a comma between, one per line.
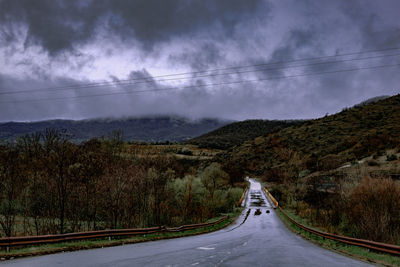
x=260, y=240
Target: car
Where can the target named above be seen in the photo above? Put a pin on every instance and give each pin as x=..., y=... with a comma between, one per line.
x=257, y=212
x=267, y=211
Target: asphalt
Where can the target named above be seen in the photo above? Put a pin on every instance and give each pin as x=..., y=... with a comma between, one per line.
x=254, y=240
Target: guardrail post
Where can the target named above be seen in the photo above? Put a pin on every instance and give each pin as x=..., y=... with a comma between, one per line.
x=8, y=249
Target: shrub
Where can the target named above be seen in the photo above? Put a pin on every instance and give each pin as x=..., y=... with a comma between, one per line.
x=373, y=209
x=391, y=157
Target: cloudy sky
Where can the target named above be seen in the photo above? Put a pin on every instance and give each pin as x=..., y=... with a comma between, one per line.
x=232, y=59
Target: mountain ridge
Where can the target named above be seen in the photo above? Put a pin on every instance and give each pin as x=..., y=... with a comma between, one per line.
x=321, y=144
x=146, y=128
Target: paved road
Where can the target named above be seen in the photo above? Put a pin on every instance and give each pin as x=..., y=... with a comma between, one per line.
x=260, y=240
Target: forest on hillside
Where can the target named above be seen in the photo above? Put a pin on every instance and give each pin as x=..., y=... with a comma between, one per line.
x=340, y=172
x=237, y=133
x=50, y=185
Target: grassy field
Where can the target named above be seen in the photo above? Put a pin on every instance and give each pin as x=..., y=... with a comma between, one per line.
x=349, y=250
x=106, y=242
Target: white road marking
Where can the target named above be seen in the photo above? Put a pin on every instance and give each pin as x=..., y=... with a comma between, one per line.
x=244, y=244
x=195, y=263
x=205, y=248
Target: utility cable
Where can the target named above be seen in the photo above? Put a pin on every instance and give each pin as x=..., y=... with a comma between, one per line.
x=203, y=85
x=151, y=78
x=124, y=83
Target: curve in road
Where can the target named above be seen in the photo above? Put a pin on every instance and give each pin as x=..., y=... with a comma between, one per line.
x=255, y=240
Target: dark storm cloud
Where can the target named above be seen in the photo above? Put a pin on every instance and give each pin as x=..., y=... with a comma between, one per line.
x=297, y=43
x=335, y=27
x=60, y=25
x=201, y=57
x=55, y=25
x=115, y=40
x=374, y=30
x=196, y=103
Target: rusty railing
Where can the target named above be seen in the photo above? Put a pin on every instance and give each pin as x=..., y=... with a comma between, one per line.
x=272, y=198
x=242, y=198
x=368, y=244
x=8, y=242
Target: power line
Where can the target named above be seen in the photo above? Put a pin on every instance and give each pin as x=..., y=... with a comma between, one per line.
x=125, y=83
x=151, y=78
x=204, y=85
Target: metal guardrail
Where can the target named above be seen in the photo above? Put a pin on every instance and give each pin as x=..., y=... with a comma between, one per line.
x=45, y=239
x=368, y=244
x=242, y=198
x=372, y=245
x=272, y=198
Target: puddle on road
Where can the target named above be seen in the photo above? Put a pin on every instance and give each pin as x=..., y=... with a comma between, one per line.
x=256, y=199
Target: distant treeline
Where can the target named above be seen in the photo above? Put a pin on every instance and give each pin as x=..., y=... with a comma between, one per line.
x=146, y=129
x=50, y=185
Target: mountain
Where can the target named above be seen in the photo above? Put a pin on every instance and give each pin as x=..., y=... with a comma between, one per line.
x=149, y=129
x=236, y=133
x=322, y=144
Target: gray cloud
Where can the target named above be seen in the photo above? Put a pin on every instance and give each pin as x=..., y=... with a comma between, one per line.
x=61, y=25
x=47, y=44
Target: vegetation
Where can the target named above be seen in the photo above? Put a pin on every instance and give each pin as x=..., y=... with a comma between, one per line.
x=341, y=171
x=51, y=185
x=322, y=144
x=106, y=242
x=354, y=251
x=237, y=133
x=148, y=129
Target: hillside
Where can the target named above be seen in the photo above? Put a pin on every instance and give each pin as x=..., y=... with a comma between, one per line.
x=322, y=144
x=238, y=132
x=149, y=129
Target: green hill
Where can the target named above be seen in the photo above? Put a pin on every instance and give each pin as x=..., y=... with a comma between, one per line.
x=236, y=133
x=321, y=144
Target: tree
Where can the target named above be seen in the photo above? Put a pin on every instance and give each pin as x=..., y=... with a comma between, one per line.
x=213, y=177
x=91, y=168
x=32, y=165
x=158, y=181
x=11, y=184
x=60, y=156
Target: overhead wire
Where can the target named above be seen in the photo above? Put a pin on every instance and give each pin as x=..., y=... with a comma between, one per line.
x=151, y=79
x=201, y=76
x=204, y=85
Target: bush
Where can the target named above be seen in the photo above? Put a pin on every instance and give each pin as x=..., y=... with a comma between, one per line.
x=391, y=157
x=373, y=210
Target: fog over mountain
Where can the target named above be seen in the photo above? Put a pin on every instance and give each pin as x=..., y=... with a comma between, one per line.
x=146, y=129
x=47, y=46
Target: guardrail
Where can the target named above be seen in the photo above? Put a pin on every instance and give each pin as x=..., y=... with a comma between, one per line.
x=368, y=244
x=45, y=239
x=242, y=198
x=272, y=198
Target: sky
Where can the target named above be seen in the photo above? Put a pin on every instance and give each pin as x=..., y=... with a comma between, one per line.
x=229, y=59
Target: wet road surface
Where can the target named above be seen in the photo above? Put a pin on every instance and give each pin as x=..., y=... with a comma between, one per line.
x=254, y=240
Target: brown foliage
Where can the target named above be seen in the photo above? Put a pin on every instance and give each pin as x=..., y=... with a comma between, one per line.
x=374, y=209
x=55, y=186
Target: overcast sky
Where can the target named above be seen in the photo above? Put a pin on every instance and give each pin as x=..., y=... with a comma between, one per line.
x=46, y=45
